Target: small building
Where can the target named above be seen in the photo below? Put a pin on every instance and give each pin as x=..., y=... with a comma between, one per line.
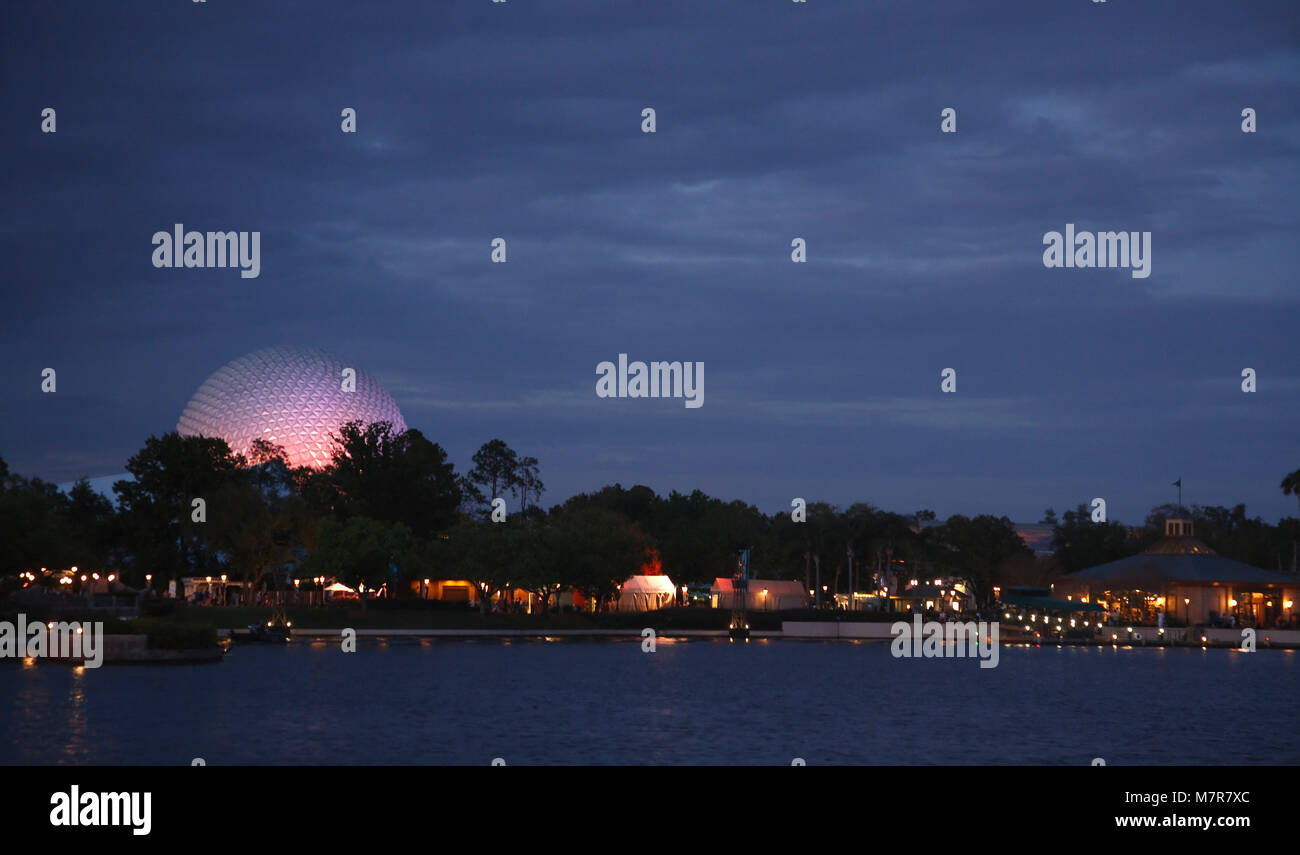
x=446, y=590
x=763, y=595
x=216, y=591
x=922, y=598
x=1185, y=581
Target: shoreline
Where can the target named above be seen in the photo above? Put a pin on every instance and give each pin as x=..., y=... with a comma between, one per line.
x=797, y=633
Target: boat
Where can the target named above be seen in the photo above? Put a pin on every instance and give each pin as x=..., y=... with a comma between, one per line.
x=277, y=630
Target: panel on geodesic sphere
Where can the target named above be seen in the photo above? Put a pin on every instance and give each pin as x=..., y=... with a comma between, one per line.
x=290, y=396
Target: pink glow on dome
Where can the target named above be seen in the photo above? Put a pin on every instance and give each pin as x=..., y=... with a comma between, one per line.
x=289, y=396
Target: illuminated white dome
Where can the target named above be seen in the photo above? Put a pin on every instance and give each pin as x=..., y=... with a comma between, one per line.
x=290, y=396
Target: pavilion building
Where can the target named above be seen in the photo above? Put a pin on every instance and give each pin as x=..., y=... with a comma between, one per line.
x=1187, y=581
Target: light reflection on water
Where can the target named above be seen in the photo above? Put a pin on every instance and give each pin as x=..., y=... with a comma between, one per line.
x=423, y=701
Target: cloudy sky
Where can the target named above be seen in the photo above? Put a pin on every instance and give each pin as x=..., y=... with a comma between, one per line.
x=775, y=120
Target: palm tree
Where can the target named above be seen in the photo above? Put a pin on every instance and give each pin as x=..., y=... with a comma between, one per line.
x=1291, y=485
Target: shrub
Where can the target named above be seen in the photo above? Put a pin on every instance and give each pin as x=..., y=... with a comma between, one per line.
x=159, y=606
x=168, y=635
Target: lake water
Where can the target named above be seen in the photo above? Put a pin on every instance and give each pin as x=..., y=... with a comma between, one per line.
x=690, y=702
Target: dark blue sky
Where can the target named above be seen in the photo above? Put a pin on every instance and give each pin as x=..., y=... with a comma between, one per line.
x=775, y=120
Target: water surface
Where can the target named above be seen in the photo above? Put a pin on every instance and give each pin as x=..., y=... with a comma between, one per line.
x=690, y=702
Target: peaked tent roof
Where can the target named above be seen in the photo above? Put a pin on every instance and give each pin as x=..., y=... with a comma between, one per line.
x=648, y=585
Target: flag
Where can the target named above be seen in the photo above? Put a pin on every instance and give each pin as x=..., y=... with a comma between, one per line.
x=1177, y=483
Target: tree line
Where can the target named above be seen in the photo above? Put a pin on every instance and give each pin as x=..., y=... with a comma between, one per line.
x=389, y=509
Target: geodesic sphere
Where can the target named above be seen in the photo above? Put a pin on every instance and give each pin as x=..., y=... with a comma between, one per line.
x=290, y=396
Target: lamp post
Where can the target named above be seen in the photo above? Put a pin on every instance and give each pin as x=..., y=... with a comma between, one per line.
x=850, y=551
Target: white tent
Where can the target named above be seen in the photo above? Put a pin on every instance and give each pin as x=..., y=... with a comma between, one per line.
x=339, y=588
x=646, y=593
